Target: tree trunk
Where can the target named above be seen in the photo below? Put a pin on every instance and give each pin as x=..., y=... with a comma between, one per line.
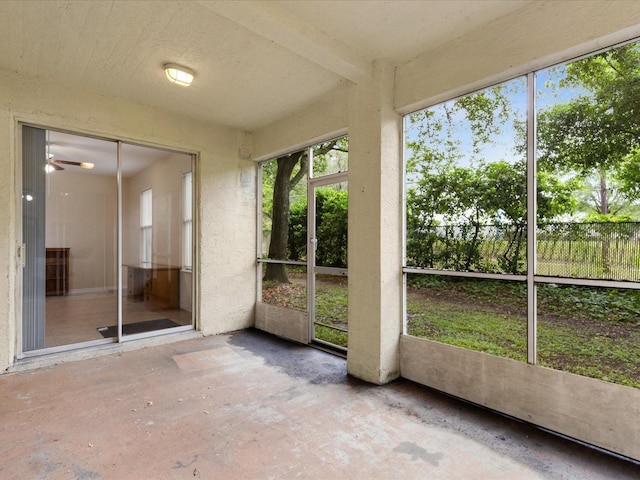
x=283, y=185
x=604, y=209
x=604, y=200
x=280, y=217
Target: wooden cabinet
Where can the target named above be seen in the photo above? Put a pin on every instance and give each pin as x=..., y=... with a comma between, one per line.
x=157, y=284
x=57, y=271
x=138, y=279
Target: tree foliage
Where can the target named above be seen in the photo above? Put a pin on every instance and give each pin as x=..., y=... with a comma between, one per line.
x=460, y=196
x=290, y=170
x=595, y=135
x=588, y=160
x=331, y=227
x=282, y=182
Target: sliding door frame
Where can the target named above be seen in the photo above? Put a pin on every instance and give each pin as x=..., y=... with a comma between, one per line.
x=20, y=250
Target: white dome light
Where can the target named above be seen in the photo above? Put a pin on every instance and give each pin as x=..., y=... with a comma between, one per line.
x=178, y=74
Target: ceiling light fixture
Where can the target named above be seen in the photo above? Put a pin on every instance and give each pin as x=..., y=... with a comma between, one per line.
x=178, y=74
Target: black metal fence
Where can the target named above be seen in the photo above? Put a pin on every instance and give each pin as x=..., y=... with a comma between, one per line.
x=576, y=250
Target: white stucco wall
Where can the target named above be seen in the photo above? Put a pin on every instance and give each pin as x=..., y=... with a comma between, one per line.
x=375, y=233
x=225, y=187
x=537, y=35
x=325, y=118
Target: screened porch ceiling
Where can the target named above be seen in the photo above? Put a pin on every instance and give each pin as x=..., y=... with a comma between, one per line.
x=255, y=61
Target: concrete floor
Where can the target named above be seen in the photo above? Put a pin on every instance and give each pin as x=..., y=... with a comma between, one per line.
x=251, y=406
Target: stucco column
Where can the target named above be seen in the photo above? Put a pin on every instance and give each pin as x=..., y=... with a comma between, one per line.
x=375, y=278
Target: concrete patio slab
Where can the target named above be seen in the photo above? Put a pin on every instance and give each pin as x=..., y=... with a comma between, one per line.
x=251, y=406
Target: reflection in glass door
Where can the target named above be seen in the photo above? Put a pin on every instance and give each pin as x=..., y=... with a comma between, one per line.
x=69, y=236
x=328, y=255
x=156, y=239
x=86, y=203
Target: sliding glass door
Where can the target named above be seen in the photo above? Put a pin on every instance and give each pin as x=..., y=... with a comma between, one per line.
x=104, y=242
x=156, y=260
x=69, y=237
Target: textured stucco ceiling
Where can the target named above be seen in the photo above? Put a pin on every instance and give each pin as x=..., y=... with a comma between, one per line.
x=255, y=61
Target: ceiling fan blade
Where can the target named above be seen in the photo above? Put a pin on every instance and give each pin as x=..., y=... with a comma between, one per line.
x=86, y=165
x=55, y=166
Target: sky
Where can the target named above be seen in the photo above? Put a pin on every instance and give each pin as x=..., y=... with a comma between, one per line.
x=502, y=145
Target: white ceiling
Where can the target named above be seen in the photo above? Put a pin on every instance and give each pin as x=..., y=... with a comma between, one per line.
x=103, y=154
x=255, y=61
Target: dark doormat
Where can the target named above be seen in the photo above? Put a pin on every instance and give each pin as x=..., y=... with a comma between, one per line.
x=138, y=327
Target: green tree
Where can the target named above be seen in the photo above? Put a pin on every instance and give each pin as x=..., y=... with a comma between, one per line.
x=595, y=135
x=331, y=227
x=290, y=170
x=434, y=133
x=454, y=180
x=471, y=197
x=285, y=173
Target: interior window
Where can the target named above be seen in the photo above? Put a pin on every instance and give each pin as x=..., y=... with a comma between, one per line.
x=146, y=225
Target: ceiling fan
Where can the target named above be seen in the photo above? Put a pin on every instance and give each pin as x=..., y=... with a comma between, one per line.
x=58, y=164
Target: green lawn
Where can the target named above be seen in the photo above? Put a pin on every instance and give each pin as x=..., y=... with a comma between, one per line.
x=331, y=304
x=469, y=327
x=331, y=310
x=588, y=331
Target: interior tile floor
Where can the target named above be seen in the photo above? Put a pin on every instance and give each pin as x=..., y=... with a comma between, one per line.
x=251, y=406
x=74, y=319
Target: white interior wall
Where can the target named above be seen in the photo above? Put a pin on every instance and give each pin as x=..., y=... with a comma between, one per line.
x=165, y=179
x=186, y=290
x=225, y=188
x=81, y=215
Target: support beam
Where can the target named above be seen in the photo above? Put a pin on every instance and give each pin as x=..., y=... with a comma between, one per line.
x=291, y=32
x=375, y=239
